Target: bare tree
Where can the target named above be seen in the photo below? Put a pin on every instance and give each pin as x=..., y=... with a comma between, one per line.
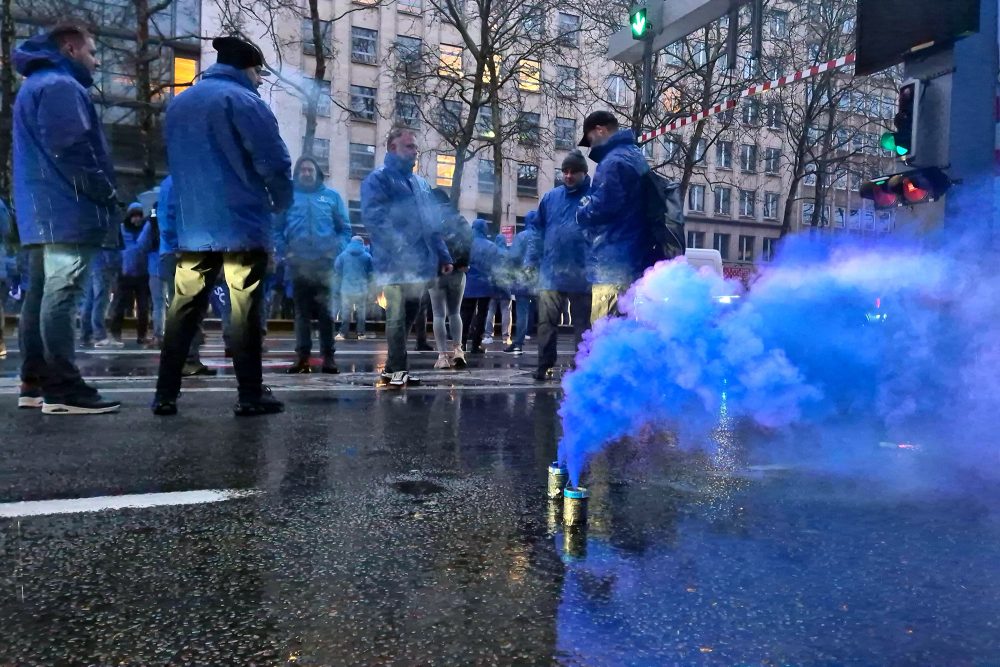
x=6, y=98
x=475, y=92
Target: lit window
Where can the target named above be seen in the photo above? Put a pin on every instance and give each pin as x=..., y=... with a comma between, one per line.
x=185, y=70
x=450, y=64
x=445, y=170
x=529, y=78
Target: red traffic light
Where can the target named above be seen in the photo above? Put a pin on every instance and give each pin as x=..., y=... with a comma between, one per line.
x=911, y=187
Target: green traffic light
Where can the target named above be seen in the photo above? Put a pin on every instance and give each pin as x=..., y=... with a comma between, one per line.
x=888, y=141
x=639, y=24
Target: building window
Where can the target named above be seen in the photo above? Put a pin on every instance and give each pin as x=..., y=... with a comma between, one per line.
x=566, y=78
x=410, y=51
x=362, y=160
x=699, y=54
x=445, y=170
x=529, y=76
x=320, y=152
x=696, y=239
x=751, y=112
x=363, y=103
x=558, y=180
x=354, y=212
x=527, y=180
x=569, y=30
x=533, y=24
x=364, y=46
x=323, y=99
x=410, y=6
x=810, y=176
x=777, y=23
x=185, y=70
x=767, y=251
x=748, y=158
x=671, y=149
x=673, y=53
x=487, y=176
x=746, y=248
x=484, y=123
x=773, y=113
x=450, y=62
x=724, y=154
x=700, y=148
x=696, y=198
x=450, y=120
x=725, y=117
x=529, y=128
x=771, y=205
x=617, y=91
x=772, y=160
x=566, y=133
x=722, y=201
x=721, y=243
x=309, y=45
x=408, y=109
x=747, y=200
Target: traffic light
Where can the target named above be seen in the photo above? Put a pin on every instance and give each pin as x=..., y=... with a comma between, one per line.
x=904, y=140
x=911, y=187
x=639, y=22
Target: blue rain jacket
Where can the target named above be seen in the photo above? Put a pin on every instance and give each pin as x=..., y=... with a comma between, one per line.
x=612, y=218
x=64, y=181
x=354, y=266
x=525, y=277
x=403, y=221
x=485, y=264
x=167, y=216
x=230, y=168
x=136, y=244
x=315, y=230
x=560, y=250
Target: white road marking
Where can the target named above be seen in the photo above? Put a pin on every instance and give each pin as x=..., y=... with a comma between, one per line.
x=131, y=501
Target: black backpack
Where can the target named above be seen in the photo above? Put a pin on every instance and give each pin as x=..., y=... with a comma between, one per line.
x=664, y=213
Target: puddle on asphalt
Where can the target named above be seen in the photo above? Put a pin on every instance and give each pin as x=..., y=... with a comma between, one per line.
x=417, y=487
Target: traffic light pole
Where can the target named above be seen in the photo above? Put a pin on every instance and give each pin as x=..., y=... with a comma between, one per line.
x=647, y=82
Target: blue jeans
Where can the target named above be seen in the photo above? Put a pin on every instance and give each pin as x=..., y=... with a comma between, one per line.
x=348, y=302
x=524, y=305
x=402, y=303
x=94, y=311
x=57, y=274
x=158, y=300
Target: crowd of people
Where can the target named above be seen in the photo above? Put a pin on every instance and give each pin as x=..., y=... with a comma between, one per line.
x=234, y=208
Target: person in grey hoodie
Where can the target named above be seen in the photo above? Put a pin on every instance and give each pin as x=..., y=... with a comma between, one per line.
x=354, y=266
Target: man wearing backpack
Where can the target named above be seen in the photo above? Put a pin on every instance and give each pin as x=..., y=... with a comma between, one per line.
x=612, y=216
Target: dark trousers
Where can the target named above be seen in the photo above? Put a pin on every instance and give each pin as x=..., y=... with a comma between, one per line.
x=550, y=307
x=524, y=315
x=420, y=324
x=313, y=297
x=402, y=303
x=474, y=312
x=195, y=275
x=130, y=289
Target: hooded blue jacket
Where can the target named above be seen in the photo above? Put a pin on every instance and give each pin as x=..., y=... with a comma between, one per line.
x=167, y=216
x=485, y=263
x=317, y=227
x=402, y=219
x=230, y=168
x=64, y=181
x=560, y=250
x=354, y=266
x=612, y=218
x=137, y=242
x=525, y=276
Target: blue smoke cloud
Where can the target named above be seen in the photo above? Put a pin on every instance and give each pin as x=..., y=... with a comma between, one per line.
x=837, y=331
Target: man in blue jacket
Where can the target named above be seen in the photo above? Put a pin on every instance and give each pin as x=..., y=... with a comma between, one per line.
x=64, y=194
x=612, y=216
x=310, y=236
x=560, y=252
x=133, y=281
x=354, y=266
x=524, y=281
x=231, y=173
x=486, y=268
x=399, y=212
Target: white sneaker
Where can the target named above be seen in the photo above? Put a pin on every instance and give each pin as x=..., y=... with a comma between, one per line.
x=110, y=343
x=371, y=336
x=458, y=357
x=442, y=362
x=339, y=336
x=487, y=340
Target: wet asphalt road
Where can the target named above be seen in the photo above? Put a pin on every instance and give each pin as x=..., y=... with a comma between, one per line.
x=410, y=528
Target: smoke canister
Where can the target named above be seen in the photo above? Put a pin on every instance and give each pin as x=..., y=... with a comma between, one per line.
x=575, y=506
x=558, y=475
